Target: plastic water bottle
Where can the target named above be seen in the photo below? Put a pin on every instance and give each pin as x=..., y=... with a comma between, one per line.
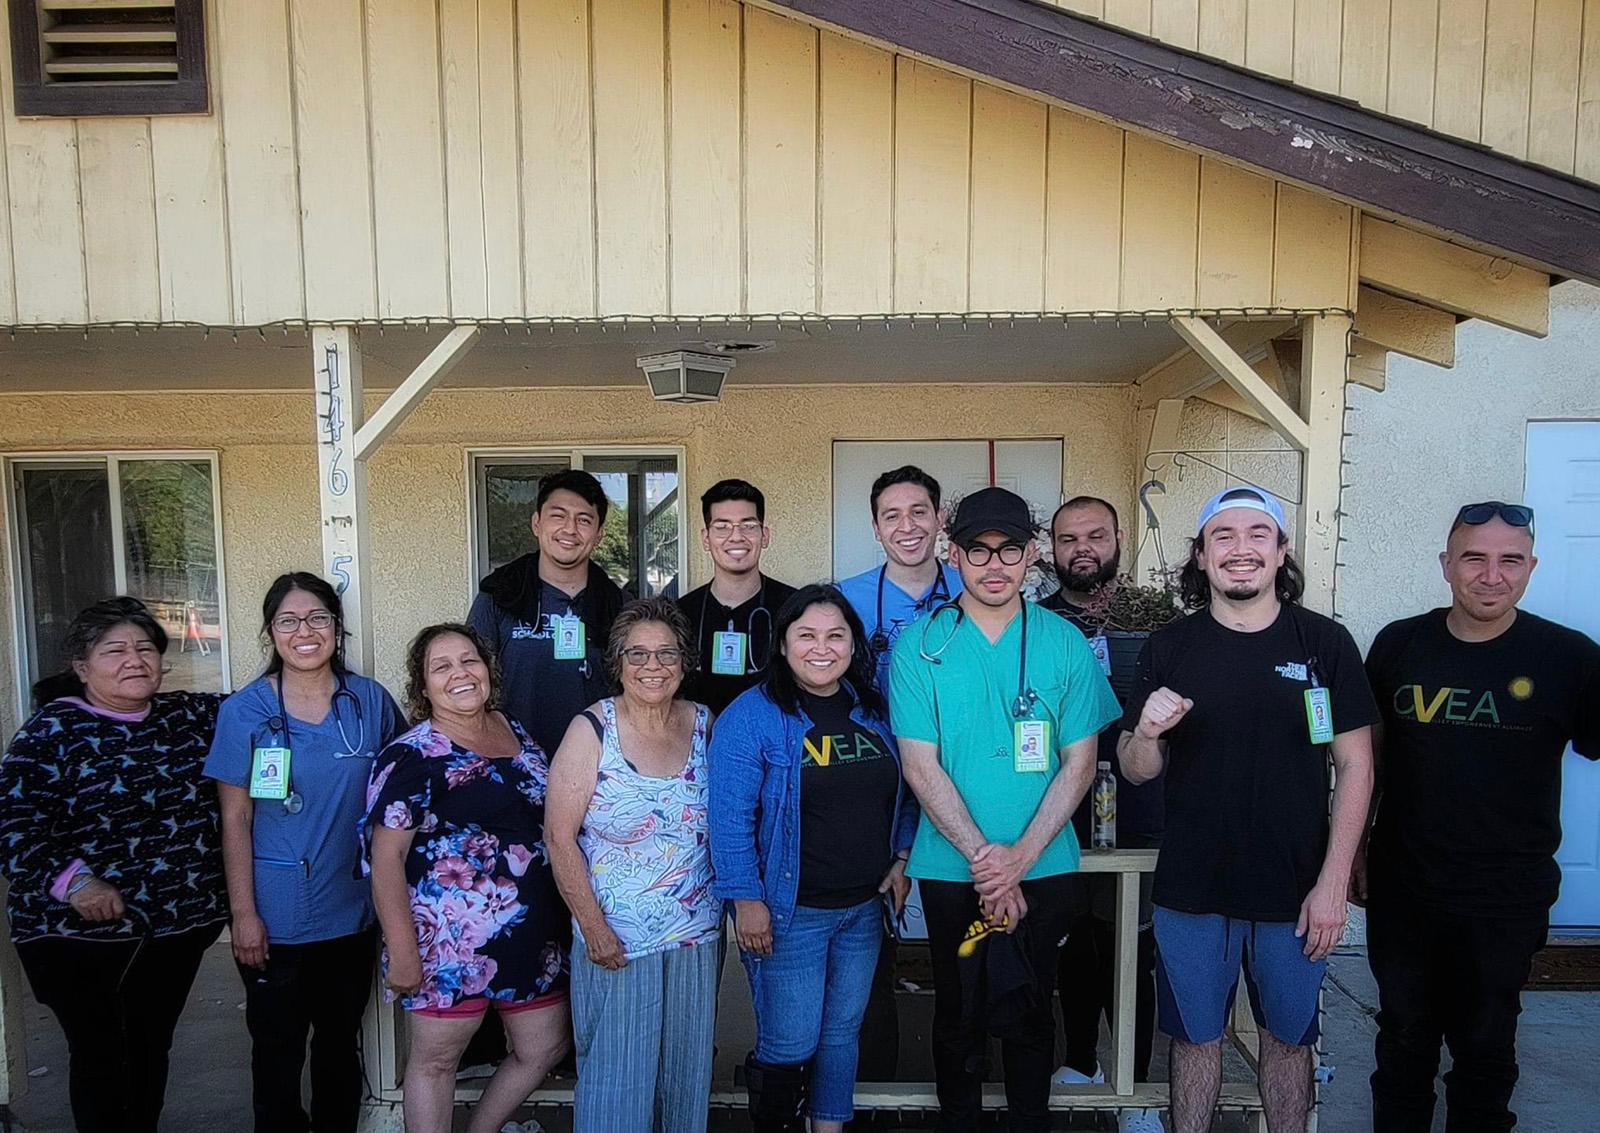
x=1104, y=836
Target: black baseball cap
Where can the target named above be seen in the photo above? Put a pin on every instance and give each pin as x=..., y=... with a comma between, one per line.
x=993, y=509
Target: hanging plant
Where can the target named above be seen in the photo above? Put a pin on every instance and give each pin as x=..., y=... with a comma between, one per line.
x=1129, y=607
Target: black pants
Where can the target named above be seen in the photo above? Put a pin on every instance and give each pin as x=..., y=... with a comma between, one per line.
x=1028, y=1059
x=1455, y=978
x=320, y=989
x=118, y=1003
x=879, y=1056
x=1086, y=977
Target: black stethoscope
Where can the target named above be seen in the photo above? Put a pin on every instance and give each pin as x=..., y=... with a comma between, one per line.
x=939, y=597
x=750, y=627
x=1027, y=696
x=278, y=723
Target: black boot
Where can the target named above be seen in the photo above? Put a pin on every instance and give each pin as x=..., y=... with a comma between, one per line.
x=777, y=1096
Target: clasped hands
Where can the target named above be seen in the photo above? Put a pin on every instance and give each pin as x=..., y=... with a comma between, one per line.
x=997, y=871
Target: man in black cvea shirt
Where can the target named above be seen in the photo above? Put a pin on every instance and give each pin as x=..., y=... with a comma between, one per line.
x=1243, y=704
x=1479, y=702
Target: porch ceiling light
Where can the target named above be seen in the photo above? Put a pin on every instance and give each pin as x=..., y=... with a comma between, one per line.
x=685, y=376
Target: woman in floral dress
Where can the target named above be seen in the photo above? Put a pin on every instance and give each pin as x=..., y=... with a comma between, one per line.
x=462, y=884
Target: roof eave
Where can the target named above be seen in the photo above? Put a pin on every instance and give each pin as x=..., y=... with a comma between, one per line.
x=1540, y=217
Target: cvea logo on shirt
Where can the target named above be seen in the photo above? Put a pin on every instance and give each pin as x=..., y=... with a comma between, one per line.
x=1459, y=705
x=854, y=748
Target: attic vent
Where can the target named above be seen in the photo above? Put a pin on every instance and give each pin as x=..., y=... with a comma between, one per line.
x=93, y=57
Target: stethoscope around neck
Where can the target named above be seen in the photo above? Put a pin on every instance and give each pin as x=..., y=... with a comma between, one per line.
x=750, y=627
x=278, y=724
x=1027, y=696
x=940, y=596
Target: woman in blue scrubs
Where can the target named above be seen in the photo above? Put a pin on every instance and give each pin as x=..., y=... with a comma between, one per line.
x=291, y=757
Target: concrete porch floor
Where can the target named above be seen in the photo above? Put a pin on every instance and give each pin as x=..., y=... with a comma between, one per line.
x=210, y=1082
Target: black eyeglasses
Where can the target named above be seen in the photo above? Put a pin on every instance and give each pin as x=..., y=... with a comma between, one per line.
x=1517, y=515
x=979, y=554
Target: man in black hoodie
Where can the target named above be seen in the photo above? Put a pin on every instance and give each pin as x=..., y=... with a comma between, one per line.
x=547, y=614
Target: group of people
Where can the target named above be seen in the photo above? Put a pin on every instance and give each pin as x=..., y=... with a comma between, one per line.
x=580, y=788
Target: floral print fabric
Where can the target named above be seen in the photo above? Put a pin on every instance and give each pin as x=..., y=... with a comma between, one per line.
x=648, y=851
x=489, y=921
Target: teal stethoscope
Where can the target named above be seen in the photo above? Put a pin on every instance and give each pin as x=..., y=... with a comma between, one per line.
x=278, y=723
x=1027, y=696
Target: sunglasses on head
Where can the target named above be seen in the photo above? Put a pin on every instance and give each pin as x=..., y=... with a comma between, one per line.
x=1517, y=515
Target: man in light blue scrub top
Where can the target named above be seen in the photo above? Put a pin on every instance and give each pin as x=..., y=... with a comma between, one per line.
x=911, y=581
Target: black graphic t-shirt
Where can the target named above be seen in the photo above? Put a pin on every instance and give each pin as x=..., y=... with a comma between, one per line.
x=1247, y=790
x=1470, y=772
x=848, y=783
x=753, y=618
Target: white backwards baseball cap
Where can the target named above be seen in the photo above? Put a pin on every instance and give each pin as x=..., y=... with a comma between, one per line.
x=1245, y=496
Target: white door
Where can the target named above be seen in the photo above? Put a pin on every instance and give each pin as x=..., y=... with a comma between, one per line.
x=1563, y=488
x=1032, y=469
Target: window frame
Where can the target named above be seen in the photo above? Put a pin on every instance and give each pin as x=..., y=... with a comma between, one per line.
x=189, y=93
x=108, y=459
x=477, y=458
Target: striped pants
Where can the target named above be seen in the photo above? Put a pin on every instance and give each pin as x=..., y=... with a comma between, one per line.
x=643, y=1037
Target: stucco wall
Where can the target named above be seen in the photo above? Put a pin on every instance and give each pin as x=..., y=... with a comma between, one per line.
x=1435, y=439
x=779, y=437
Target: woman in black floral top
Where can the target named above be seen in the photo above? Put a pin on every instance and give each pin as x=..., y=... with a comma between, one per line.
x=462, y=884
x=109, y=838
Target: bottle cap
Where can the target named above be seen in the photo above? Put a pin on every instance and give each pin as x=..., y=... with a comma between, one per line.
x=1105, y=765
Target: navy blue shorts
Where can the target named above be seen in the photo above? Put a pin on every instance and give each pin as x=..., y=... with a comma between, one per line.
x=1198, y=958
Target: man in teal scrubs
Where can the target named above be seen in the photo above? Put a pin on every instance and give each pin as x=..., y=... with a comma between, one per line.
x=996, y=704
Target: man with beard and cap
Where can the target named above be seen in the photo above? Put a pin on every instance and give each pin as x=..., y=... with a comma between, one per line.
x=547, y=614
x=1086, y=543
x=1244, y=703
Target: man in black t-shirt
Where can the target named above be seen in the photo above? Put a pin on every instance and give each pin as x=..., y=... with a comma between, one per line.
x=1479, y=703
x=732, y=614
x=1243, y=703
x=1086, y=542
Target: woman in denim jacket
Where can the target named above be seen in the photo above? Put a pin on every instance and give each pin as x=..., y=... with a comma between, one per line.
x=811, y=823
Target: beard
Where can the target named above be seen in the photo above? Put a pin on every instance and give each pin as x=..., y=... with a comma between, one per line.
x=1083, y=577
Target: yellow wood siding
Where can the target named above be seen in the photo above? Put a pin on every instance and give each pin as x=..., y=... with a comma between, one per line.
x=384, y=159
x=1522, y=76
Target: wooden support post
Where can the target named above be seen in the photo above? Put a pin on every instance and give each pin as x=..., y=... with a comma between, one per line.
x=1222, y=358
x=399, y=404
x=342, y=483
x=1124, y=976
x=1324, y=365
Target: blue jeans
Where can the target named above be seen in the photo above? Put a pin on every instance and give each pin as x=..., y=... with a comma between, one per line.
x=810, y=995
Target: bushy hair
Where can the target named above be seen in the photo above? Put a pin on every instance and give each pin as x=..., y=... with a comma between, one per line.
x=1195, y=588
x=418, y=707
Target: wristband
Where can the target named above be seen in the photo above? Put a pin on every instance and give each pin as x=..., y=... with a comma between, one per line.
x=905, y=857
x=79, y=880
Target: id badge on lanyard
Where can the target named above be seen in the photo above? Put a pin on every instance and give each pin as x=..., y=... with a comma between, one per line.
x=1030, y=746
x=1102, y=651
x=1319, y=715
x=571, y=637
x=729, y=649
x=269, y=773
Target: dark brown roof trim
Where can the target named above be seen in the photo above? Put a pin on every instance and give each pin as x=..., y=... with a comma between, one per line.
x=1460, y=187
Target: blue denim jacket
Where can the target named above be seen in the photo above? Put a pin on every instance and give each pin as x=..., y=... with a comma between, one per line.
x=754, y=801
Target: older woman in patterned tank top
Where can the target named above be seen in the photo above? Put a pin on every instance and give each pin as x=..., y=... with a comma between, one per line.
x=625, y=824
